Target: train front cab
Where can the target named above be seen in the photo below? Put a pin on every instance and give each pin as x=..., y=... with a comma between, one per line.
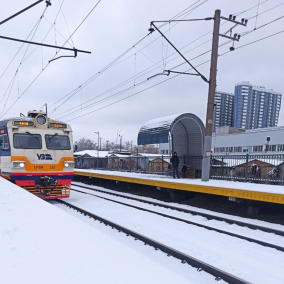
x=39, y=158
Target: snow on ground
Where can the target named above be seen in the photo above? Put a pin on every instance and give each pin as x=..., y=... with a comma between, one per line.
x=249, y=261
x=40, y=243
x=277, y=189
x=188, y=207
x=242, y=231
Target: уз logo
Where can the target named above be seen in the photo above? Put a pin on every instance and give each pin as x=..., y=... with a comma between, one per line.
x=44, y=156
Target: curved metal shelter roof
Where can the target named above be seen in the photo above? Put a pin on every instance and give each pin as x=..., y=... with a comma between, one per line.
x=184, y=132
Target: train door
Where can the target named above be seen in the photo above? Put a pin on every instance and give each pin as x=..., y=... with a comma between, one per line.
x=4, y=148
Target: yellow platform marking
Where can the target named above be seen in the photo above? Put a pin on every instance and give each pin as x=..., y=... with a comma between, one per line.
x=230, y=192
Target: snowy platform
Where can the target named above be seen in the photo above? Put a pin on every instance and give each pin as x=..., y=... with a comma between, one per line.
x=40, y=243
x=252, y=191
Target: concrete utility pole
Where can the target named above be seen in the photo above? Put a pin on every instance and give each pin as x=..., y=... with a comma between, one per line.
x=211, y=99
x=213, y=74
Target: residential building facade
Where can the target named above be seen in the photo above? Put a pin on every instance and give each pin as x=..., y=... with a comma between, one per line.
x=224, y=109
x=255, y=107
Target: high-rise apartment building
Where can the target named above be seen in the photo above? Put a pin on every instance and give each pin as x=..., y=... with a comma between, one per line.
x=255, y=107
x=224, y=109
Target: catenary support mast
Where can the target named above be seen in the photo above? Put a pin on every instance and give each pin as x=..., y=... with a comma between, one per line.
x=211, y=98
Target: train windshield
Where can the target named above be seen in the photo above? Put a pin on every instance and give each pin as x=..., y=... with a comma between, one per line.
x=57, y=142
x=27, y=141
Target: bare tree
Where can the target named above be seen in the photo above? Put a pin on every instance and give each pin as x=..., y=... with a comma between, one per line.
x=149, y=149
x=85, y=144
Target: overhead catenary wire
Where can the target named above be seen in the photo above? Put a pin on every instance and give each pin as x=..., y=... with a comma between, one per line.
x=120, y=92
x=206, y=52
x=122, y=55
x=170, y=55
x=53, y=57
x=87, y=102
x=257, y=14
x=17, y=70
x=277, y=33
x=7, y=67
x=61, y=9
x=114, y=95
x=52, y=26
x=244, y=34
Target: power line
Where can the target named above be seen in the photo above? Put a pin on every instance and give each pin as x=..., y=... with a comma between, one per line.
x=17, y=70
x=66, y=23
x=173, y=77
x=225, y=53
x=53, y=56
x=125, y=82
x=115, y=61
x=243, y=34
x=266, y=37
x=51, y=27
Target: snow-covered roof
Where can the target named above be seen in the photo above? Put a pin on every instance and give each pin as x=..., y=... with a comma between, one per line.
x=148, y=155
x=113, y=155
x=161, y=122
x=92, y=153
x=156, y=131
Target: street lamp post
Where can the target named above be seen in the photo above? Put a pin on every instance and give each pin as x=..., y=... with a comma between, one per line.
x=117, y=134
x=120, y=136
x=98, y=147
x=98, y=138
x=101, y=143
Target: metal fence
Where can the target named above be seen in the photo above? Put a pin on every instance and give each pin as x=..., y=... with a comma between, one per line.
x=189, y=166
x=265, y=169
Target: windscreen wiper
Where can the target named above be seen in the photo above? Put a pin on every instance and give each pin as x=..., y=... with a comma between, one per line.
x=49, y=138
x=33, y=135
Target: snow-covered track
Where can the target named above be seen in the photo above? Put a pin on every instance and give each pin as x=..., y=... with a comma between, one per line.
x=218, y=273
x=206, y=215
x=189, y=222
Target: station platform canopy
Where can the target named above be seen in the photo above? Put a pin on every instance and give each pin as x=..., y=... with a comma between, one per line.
x=184, y=133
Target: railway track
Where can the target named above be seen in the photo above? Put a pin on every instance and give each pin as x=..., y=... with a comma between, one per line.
x=185, y=221
x=200, y=265
x=190, y=211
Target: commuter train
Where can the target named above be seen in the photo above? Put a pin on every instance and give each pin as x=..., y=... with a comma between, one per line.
x=36, y=153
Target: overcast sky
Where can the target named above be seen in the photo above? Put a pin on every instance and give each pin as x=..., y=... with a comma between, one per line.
x=113, y=28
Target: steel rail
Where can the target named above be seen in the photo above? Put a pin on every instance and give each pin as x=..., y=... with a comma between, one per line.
x=191, y=223
x=206, y=215
x=218, y=273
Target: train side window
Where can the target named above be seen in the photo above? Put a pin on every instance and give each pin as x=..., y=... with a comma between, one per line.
x=4, y=145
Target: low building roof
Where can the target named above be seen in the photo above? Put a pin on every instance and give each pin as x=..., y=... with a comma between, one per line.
x=92, y=153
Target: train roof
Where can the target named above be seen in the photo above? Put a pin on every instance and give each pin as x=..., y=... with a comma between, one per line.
x=3, y=123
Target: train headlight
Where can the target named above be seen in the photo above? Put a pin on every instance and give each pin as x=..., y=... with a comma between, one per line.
x=41, y=119
x=69, y=164
x=19, y=165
